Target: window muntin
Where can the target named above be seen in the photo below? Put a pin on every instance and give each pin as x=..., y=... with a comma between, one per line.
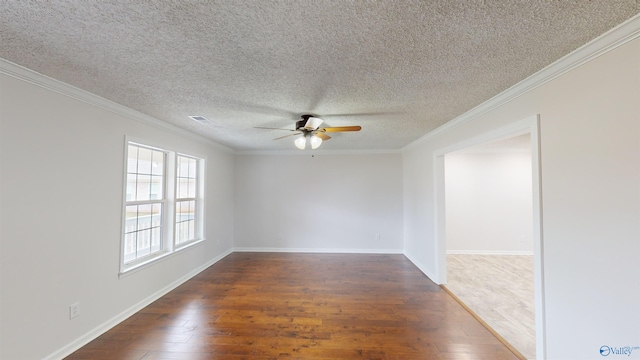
x=144, y=202
x=186, y=199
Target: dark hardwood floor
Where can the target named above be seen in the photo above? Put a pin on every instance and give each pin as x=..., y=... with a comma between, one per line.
x=301, y=306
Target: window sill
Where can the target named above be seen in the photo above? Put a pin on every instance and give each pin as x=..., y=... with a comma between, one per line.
x=143, y=265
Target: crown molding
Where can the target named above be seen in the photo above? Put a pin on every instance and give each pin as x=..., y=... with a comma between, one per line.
x=318, y=152
x=610, y=40
x=27, y=75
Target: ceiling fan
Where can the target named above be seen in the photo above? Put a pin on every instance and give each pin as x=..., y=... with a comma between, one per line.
x=309, y=127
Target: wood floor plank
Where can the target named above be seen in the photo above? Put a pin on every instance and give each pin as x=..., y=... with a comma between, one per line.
x=499, y=289
x=301, y=306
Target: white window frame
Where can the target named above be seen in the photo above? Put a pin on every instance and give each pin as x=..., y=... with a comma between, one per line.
x=168, y=244
x=197, y=199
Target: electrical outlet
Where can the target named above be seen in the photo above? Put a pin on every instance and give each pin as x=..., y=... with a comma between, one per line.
x=74, y=310
x=377, y=237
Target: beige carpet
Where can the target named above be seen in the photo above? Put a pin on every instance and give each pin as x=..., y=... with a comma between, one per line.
x=499, y=289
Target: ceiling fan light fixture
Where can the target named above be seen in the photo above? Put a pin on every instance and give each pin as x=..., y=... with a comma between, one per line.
x=309, y=129
x=315, y=142
x=301, y=142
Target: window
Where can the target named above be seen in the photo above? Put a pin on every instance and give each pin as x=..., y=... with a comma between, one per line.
x=145, y=202
x=186, y=199
x=162, y=205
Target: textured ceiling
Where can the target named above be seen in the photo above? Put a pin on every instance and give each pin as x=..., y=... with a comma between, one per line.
x=397, y=68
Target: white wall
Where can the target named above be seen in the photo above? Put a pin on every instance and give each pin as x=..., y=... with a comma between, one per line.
x=590, y=165
x=489, y=202
x=329, y=202
x=61, y=190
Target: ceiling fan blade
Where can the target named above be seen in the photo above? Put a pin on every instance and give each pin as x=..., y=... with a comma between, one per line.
x=270, y=128
x=313, y=123
x=342, y=128
x=282, y=137
x=323, y=136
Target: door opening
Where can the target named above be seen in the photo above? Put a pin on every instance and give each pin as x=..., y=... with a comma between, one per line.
x=488, y=229
x=489, y=236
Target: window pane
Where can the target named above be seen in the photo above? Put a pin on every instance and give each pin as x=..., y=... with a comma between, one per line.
x=132, y=159
x=183, y=190
x=191, y=188
x=144, y=160
x=144, y=217
x=192, y=210
x=179, y=236
x=131, y=186
x=179, y=166
x=156, y=215
x=186, y=177
x=157, y=208
x=157, y=163
x=185, y=221
x=184, y=167
x=155, y=239
x=186, y=188
x=131, y=219
x=185, y=210
x=179, y=212
x=143, y=230
x=141, y=184
x=156, y=188
x=187, y=167
x=143, y=187
x=192, y=168
x=130, y=247
x=144, y=244
x=192, y=225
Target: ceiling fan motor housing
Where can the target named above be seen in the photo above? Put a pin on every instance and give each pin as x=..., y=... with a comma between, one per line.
x=300, y=124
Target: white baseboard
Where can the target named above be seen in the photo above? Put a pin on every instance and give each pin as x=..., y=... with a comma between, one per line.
x=422, y=268
x=318, y=250
x=104, y=327
x=488, y=252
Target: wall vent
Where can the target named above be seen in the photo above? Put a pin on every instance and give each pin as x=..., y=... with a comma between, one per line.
x=200, y=119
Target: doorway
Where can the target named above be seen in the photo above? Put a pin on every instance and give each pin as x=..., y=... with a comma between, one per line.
x=503, y=251
x=488, y=201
